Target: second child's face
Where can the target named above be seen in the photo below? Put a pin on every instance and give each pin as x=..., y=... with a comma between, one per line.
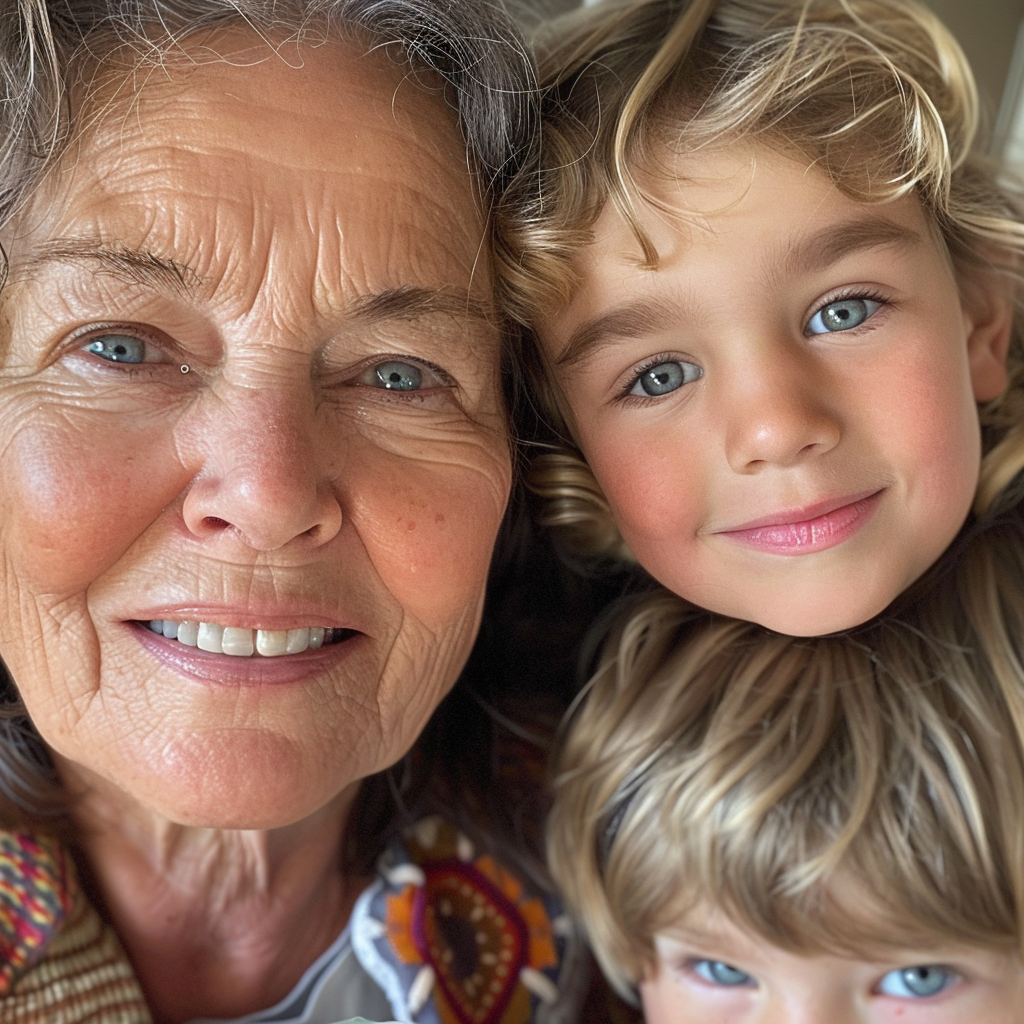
x=783, y=415
x=713, y=971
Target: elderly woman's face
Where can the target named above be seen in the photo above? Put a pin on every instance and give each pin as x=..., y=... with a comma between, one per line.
x=250, y=381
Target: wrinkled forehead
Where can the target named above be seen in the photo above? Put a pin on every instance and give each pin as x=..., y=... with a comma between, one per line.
x=368, y=88
x=237, y=143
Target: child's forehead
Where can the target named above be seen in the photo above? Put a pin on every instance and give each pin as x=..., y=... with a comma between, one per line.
x=690, y=198
x=876, y=940
x=715, y=177
x=733, y=214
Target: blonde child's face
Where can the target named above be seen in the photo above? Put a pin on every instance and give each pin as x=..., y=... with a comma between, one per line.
x=713, y=971
x=783, y=414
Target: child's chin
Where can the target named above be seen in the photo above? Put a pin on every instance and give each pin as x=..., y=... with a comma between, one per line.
x=818, y=613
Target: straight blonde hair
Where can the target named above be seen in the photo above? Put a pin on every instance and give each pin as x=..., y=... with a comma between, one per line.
x=713, y=761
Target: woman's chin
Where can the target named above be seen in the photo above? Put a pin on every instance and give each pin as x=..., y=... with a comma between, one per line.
x=235, y=780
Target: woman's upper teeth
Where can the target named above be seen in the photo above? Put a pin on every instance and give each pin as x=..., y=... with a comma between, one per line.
x=242, y=643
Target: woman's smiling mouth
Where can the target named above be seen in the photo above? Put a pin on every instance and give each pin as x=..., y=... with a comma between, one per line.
x=244, y=643
x=805, y=531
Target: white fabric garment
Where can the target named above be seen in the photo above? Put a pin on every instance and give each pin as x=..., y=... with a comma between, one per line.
x=334, y=988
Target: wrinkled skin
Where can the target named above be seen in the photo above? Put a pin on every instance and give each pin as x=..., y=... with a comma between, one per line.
x=280, y=226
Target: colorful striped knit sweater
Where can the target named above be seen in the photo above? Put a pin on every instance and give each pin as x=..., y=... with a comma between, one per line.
x=60, y=963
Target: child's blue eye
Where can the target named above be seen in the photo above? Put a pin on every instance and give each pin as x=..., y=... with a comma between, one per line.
x=663, y=378
x=719, y=973
x=917, y=982
x=842, y=315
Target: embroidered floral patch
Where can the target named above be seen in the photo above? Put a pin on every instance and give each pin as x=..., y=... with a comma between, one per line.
x=455, y=938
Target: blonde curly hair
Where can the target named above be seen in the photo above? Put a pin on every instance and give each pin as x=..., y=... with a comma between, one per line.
x=876, y=93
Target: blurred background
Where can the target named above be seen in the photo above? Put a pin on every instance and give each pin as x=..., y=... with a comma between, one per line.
x=992, y=35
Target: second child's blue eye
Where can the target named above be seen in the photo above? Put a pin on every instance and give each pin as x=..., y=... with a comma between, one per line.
x=917, y=982
x=719, y=973
x=842, y=315
x=664, y=378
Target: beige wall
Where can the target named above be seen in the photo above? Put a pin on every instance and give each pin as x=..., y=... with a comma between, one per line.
x=987, y=30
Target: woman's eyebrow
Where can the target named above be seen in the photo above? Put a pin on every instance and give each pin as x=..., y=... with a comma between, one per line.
x=143, y=266
x=140, y=266
x=410, y=302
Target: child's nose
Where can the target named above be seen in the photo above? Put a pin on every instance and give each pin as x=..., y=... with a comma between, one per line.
x=821, y=1003
x=780, y=411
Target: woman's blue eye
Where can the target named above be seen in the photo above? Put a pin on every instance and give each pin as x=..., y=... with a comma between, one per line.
x=917, y=982
x=664, y=378
x=397, y=376
x=719, y=973
x=842, y=315
x=118, y=348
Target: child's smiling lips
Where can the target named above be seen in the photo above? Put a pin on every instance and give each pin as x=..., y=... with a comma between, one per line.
x=802, y=531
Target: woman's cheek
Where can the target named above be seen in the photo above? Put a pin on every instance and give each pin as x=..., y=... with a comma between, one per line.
x=430, y=531
x=426, y=493
x=79, y=489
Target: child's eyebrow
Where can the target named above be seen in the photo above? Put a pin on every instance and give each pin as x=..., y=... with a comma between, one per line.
x=817, y=251
x=836, y=241
x=633, y=320
x=713, y=942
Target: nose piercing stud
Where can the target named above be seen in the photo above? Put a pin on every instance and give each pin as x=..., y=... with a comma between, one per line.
x=185, y=367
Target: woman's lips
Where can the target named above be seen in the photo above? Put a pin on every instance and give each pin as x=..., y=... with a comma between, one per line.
x=239, y=642
x=805, y=531
x=232, y=670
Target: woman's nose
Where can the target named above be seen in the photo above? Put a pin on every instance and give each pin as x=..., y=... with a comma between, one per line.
x=265, y=475
x=780, y=412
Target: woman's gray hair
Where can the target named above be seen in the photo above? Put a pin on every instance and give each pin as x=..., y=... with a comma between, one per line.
x=475, y=48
